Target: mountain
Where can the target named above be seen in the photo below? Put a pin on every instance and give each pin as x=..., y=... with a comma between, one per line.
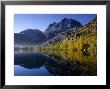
x=30, y=36
x=77, y=39
x=64, y=25
x=35, y=36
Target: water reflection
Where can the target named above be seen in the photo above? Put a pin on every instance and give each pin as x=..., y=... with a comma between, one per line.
x=30, y=60
x=76, y=62
x=54, y=62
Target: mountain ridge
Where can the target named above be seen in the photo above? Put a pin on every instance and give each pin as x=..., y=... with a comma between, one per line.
x=30, y=36
x=35, y=36
x=62, y=26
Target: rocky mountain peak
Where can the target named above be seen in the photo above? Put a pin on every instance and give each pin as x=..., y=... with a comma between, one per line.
x=64, y=25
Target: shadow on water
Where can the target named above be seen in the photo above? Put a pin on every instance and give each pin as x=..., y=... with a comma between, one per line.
x=30, y=60
x=57, y=62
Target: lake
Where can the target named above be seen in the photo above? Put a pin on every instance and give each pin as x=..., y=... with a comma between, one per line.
x=54, y=63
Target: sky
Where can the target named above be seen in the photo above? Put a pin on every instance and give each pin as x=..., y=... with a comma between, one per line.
x=42, y=21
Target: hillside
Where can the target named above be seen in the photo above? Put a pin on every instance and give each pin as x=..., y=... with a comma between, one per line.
x=77, y=39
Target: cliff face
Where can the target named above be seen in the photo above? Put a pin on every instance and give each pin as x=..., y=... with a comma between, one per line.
x=64, y=25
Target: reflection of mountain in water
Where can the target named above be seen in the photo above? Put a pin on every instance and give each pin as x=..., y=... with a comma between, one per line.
x=58, y=63
x=38, y=60
x=30, y=60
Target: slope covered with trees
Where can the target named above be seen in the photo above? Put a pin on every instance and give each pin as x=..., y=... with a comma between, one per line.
x=77, y=39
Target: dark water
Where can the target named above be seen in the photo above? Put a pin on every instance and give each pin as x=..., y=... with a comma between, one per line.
x=53, y=63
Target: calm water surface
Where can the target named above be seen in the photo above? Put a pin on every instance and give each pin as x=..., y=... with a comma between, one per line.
x=54, y=63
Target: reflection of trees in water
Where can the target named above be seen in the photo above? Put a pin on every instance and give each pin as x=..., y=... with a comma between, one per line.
x=72, y=60
x=59, y=62
x=63, y=69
